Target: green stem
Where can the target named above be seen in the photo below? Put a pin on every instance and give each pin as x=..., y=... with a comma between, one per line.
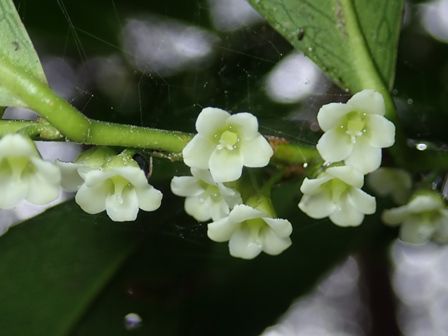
x=77, y=127
x=39, y=97
x=110, y=134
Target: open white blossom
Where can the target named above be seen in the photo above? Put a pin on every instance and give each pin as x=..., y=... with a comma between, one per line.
x=120, y=187
x=93, y=158
x=225, y=143
x=336, y=193
x=251, y=230
x=24, y=175
x=356, y=131
x=391, y=181
x=425, y=217
x=205, y=199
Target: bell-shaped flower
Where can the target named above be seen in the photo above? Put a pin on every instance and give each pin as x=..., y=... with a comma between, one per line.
x=391, y=181
x=356, y=131
x=425, y=217
x=24, y=175
x=205, y=199
x=120, y=187
x=225, y=143
x=252, y=229
x=336, y=193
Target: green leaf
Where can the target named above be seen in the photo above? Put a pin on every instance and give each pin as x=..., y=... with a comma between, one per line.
x=17, y=49
x=353, y=41
x=53, y=266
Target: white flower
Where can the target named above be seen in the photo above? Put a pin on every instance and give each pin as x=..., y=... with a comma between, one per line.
x=120, y=187
x=225, y=143
x=205, y=199
x=336, y=193
x=251, y=230
x=24, y=175
x=391, y=181
x=90, y=159
x=424, y=217
x=356, y=131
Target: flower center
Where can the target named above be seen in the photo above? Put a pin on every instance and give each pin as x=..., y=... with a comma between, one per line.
x=354, y=125
x=336, y=188
x=120, y=186
x=17, y=167
x=255, y=227
x=228, y=140
x=213, y=192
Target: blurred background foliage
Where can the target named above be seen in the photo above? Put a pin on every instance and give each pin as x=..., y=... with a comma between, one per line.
x=157, y=64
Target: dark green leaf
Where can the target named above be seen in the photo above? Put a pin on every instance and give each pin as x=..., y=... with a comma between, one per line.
x=353, y=41
x=53, y=266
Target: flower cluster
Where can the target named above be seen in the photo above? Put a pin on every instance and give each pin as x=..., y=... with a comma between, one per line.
x=106, y=181
x=216, y=155
x=103, y=180
x=354, y=134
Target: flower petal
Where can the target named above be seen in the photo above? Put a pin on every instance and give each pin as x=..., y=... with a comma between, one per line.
x=312, y=186
x=17, y=145
x=186, y=186
x=198, y=208
x=122, y=207
x=219, y=209
x=70, y=178
x=149, y=198
x=246, y=125
x=197, y=152
x=424, y=203
x=362, y=201
x=133, y=174
x=281, y=227
x=395, y=216
x=347, y=174
x=364, y=158
x=210, y=120
x=334, y=145
x=273, y=244
x=256, y=152
x=330, y=115
x=225, y=165
x=415, y=231
x=317, y=206
x=202, y=174
x=347, y=215
x=229, y=195
x=92, y=199
x=12, y=191
x=441, y=233
x=221, y=230
x=242, y=212
x=381, y=131
x=40, y=190
x=368, y=101
x=244, y=244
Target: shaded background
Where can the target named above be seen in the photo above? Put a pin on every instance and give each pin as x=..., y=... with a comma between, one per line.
x=157, y=64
